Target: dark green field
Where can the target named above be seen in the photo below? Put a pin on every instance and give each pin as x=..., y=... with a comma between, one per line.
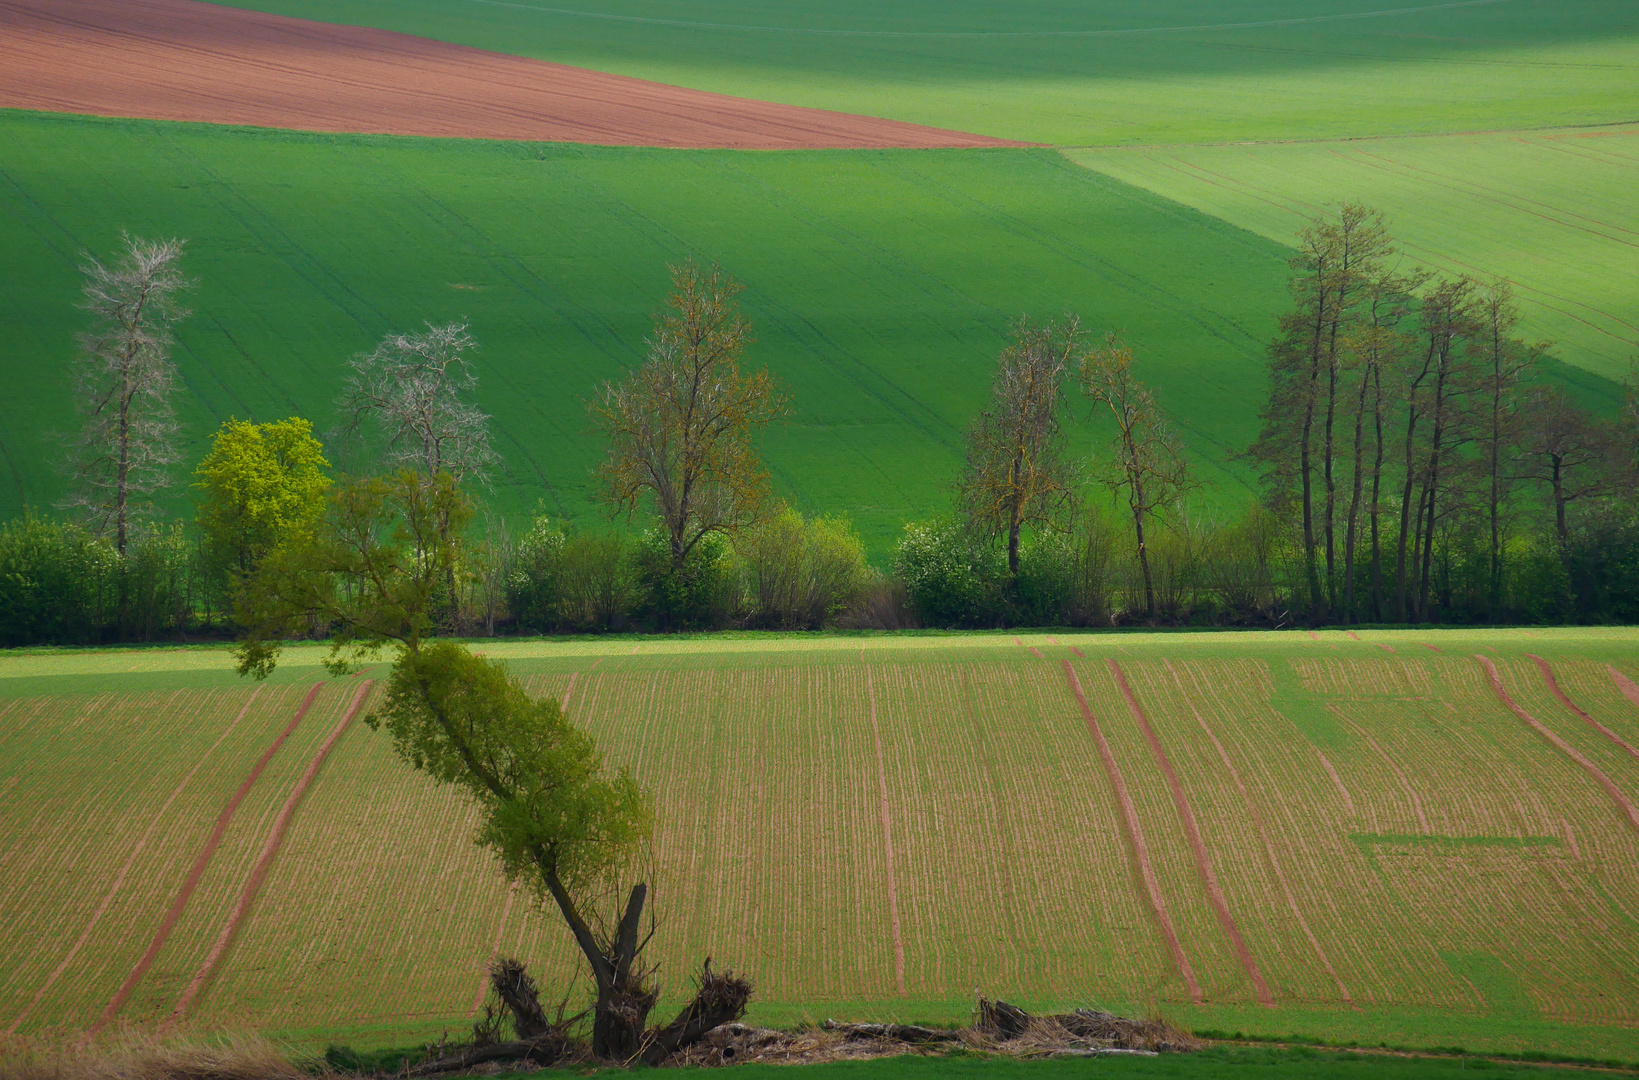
x=880, y=284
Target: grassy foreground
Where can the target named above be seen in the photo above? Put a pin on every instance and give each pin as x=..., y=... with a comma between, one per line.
x=1067, y=73
x=877, y=826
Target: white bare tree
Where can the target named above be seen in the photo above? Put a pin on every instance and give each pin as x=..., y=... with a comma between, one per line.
x=411, y=388
x=123, y=377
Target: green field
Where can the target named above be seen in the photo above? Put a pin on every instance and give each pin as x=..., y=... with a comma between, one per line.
x=880, y=285
x=1068, y=73
x=1552, y=210
x=1406, y=860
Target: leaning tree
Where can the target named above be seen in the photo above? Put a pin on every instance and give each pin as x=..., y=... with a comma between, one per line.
x=556, y=818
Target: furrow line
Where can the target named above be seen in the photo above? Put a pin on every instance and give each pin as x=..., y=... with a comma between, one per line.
x=1268, y=845
x=1135, y=837
x=259, y=870
x=130, y=860
x=1192, y=831
x=1623, y=803
x=887, y=843
x=1564, y=699
x=197, y=871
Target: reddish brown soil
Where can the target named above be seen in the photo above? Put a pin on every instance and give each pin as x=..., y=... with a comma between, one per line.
x=1623, y=803
x=1135, y=836
x=197, y=871
x=1553, y=685
x=181, y=60
x=258, y=871
x=1192, y=832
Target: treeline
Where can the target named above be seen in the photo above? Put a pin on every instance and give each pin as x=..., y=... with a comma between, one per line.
x=1415, y=465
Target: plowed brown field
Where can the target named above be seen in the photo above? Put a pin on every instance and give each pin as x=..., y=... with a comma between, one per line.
x=180, y=60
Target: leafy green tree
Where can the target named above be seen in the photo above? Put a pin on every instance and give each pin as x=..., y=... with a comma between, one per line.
x=370, y=571
x=259, y=485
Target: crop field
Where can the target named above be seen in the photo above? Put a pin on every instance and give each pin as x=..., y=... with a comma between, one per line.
x=1341, y=836
x=1550, y=210
x=308, y=248
x=1075, y=74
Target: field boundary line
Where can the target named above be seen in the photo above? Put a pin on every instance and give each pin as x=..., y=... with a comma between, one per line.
x=197, y=871
x=1564, y=699
x=258, y=871
x=1135, y=836
x=887, y=842
x=1192, y=832
x=1623, y=803
x=1263, y=835
x=130, y=861
x=1624, y=684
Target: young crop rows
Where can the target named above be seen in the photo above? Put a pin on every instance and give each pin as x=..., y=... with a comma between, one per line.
x=1312, y=824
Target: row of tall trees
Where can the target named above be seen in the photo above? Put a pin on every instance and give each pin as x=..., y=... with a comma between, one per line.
x=1407, y=423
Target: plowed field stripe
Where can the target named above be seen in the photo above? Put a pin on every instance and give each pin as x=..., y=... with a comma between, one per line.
x=147, y=835
x=1135, y=837
x=1553, y=684
x=887, y=843
x=1192, y=831
x=258, y=872
x=1268, y=845
x=1623, y=803
x=197, y=871
x=1624, y=684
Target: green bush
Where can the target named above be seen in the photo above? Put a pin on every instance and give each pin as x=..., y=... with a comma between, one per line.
x=951, y=578
x=702, y=594
x=801, y=575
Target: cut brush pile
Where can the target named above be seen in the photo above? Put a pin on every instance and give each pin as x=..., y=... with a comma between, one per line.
x=998, y=1028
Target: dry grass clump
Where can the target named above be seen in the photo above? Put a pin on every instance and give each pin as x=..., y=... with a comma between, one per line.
x=134, y=1054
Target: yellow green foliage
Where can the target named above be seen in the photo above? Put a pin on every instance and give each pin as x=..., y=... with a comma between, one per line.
x=258, y=484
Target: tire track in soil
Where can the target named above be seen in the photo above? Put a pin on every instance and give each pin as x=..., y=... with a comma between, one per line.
x=1623, y=803
x=1624, y=684
x=1135, y=837
x=1268, y=845
x=887, y=842
x=1564, y=699
x=197, y=871
x=1192, y=832
x=264, y=861
x=136, y=852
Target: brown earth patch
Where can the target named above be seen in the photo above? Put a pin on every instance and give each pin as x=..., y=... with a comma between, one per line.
x=184, y=60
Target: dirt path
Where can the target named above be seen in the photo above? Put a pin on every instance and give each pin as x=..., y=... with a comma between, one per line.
x=182, y=60
x=197, y=871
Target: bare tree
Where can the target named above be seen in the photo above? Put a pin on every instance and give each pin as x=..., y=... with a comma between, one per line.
x=680, y=426
x=413, y=388
x=1337, y=264
x=1148, y=464
x=1503, y=361
x=1569, y=452
x=123, y=377
x=1015, y=474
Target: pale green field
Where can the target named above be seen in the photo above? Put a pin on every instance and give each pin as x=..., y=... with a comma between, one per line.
x=877, y=826
x=1552, y=211
x=1072, y=73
